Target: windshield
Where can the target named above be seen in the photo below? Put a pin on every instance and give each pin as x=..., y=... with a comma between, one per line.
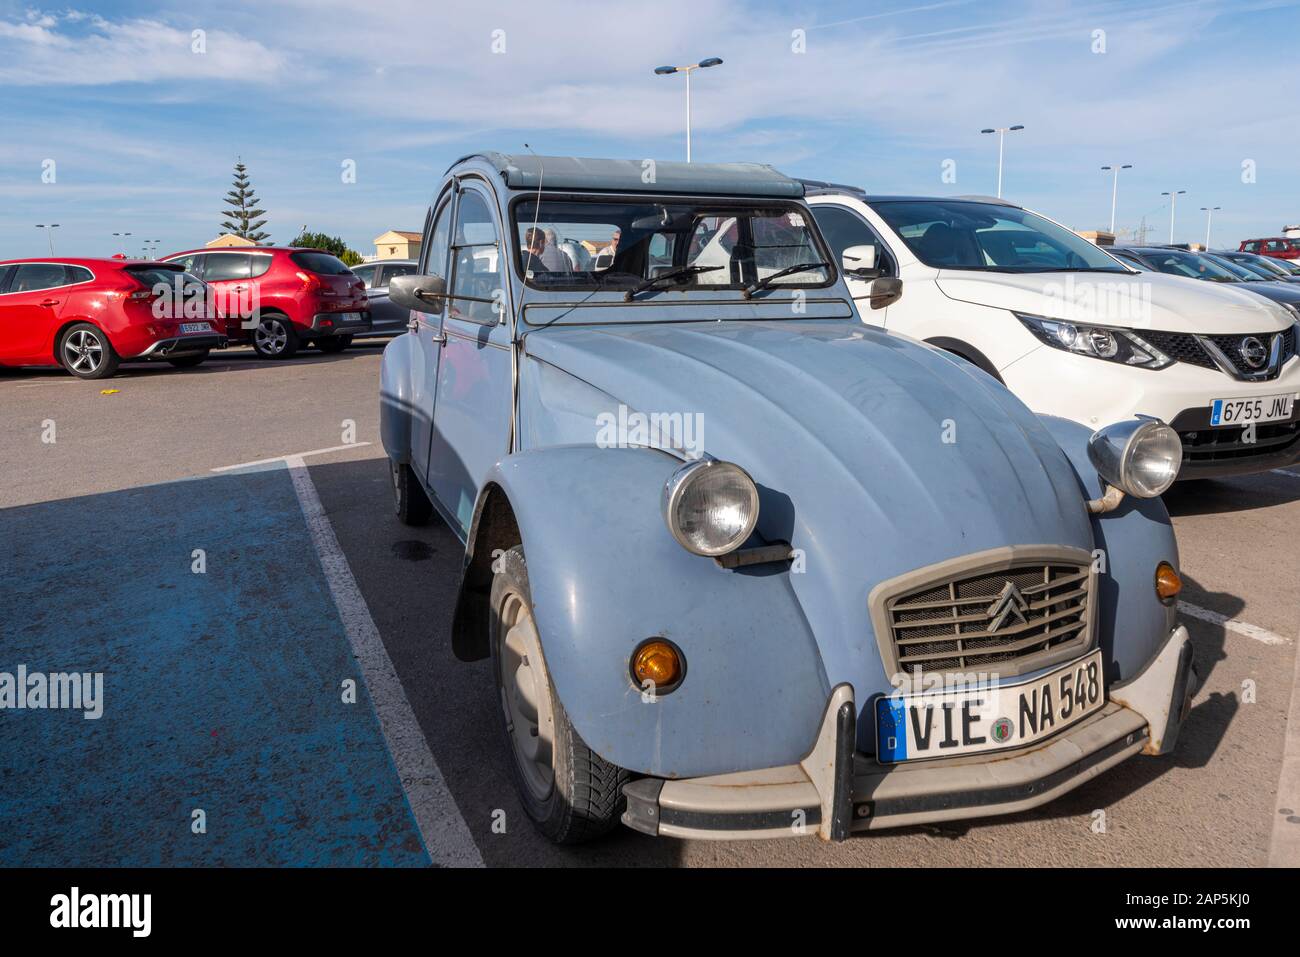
x=1244, y=273
x=1262, y=266
x=1175, y=262
x=960, y=234
x=577, y=244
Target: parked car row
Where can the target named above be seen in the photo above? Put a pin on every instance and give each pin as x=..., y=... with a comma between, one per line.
x=913, y=567
x=90, y=315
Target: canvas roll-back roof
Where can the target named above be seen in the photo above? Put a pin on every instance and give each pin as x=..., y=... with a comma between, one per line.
x=629, y=176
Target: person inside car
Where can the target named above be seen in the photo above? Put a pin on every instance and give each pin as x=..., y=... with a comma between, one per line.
x=542, y=255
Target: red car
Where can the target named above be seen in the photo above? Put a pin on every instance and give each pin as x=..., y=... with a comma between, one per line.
x=281, y=298
x=88, y=315
x=1280, y=247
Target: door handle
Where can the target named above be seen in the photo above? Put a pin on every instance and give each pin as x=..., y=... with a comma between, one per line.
x=49, y=302
x=439, y=337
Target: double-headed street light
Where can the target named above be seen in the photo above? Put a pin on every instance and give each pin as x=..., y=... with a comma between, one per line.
x=1173, y=208
x=1209, y=220
x=688, y=70
x=49, y=233
x=1002, y=132
x=1114, y=192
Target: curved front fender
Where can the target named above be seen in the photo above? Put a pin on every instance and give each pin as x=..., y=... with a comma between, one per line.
x=1133, y=625
x=606, y=574
x=396, y=399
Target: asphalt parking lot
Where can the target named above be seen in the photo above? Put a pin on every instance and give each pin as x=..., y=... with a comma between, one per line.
x=226, y=689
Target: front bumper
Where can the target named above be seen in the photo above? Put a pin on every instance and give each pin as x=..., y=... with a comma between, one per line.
x=835, y=790
x=182, y=346
x=1218, y=452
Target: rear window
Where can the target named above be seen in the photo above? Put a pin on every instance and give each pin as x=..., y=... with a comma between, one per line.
x=323, y=264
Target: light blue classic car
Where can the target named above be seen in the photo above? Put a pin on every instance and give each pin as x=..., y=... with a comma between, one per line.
x=746, y=565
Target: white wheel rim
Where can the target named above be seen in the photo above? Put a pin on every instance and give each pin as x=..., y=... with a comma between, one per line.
x=83, y=352
x=526, y=697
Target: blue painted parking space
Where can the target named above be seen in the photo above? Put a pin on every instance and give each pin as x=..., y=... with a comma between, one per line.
x=223, y=690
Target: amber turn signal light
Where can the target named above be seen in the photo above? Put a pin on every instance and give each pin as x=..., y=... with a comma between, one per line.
x=1168, y=583
x=658, y=666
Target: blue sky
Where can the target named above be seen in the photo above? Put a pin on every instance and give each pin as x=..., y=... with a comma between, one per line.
x=144, y=131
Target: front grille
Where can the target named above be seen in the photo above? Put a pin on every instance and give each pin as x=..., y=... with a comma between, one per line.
x=1185, y=347
x=1226, y=445
x=947, y=625
x=1179, y=346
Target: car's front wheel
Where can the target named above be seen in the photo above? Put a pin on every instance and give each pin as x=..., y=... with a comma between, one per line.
x=571, y=793
x=86, y=352
x=334, y=343
x=274, y=337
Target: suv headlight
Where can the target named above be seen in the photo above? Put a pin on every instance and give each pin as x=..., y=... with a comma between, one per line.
x=1101, y=342
x=711, y=507
x=1138, y=456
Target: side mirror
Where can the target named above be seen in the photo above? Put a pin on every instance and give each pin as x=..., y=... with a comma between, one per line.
x=886, y=290
x=859, y=262
x=421, y=293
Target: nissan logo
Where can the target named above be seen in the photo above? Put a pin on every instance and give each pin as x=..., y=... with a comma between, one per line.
x=1253, y=352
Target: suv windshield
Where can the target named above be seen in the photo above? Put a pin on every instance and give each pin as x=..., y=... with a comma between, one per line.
x=962, y=234
x=578, y=244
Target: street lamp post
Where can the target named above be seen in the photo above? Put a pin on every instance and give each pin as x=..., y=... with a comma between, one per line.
x=688, y=70
x=1114, y=192
x=1209, y=220
x=49, y=233
x=1173, y=208
x=1002, y=132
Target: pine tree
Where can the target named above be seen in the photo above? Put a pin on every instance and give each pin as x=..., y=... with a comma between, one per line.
x=244, y=213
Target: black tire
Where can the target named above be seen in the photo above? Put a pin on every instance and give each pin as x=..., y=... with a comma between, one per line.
x=189, y=362
x=274, y=337
x=409, y=501
x=334, y=343
x=586, y=799
x=85, y=352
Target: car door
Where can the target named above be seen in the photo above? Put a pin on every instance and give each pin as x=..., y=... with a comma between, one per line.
x=426, y=328
x=472, y=410
x=30, y=307
x=227, y=274
x=842, y=228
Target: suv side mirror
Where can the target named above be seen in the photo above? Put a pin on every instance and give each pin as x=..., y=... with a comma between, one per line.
x=421, y=293
x=887, y=289
x=859, y=262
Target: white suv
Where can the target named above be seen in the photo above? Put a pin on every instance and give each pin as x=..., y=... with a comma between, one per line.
x=1070, y=329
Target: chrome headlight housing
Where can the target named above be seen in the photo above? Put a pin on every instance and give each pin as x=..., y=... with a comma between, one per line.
x=1100, y=342
x=710, y=507
x=1137, y=456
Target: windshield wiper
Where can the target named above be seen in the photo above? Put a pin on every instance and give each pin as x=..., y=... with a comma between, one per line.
x=678, y=273
x=766, y=281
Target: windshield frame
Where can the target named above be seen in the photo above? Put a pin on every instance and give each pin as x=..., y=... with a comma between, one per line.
x=513, y=224
x=878, y=206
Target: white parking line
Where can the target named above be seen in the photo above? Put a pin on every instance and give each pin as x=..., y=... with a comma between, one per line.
x=1233, y=625
x=1284, y=847
x=445, y=833
x=289, y=458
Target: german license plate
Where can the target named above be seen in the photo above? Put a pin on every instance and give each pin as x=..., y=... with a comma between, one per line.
x=983, y=716
x=1263, y=408
x=188, y=327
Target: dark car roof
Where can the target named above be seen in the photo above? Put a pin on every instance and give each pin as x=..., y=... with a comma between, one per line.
x=628, y=176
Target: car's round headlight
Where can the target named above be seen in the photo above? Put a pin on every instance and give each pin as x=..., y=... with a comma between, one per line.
x=711, y=507
x=1140, y=456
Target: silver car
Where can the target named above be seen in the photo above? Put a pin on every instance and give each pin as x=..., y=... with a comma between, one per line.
x=386, y=318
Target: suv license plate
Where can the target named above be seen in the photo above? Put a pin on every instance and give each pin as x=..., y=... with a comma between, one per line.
x=1264, y=408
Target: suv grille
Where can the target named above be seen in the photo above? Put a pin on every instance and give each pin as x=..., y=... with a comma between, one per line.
x=1184, y=347
x=950, y=624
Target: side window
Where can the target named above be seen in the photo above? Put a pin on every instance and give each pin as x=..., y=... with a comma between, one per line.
x=34, y=276
x=476, y=261
x=844, y=228
x=1252, y=247
x=395, y=269
x=5, y=273
x=435, y=262
x=191, y=264
x=222, y=266
x=78, y=274
x=366, y=274
x=259, y=266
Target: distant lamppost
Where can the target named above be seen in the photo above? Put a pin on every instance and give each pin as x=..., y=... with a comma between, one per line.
x=1002, y=132
x=688, y=70
x=1209, y=220
x=1114, y=192
x=1173, y=208
x=49, y=233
